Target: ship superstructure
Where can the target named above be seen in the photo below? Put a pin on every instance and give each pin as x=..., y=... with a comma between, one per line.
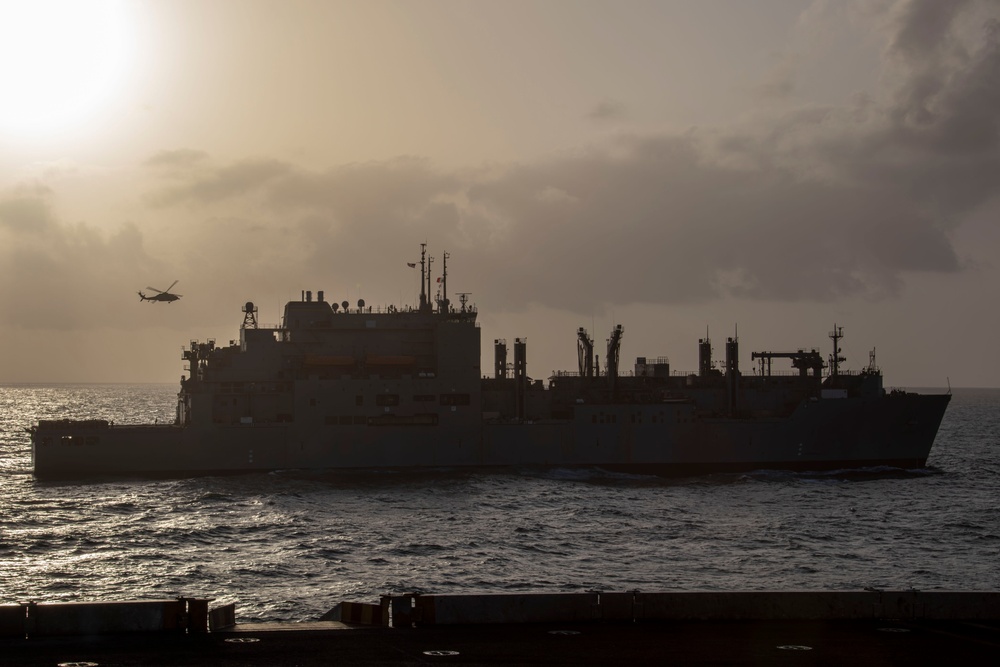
x=340, y=385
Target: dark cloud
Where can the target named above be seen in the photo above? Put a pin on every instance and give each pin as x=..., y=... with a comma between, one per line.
x=819, y=203
x=968, y=120
x=366, y=193
x=922, y=28
x=179, y=158
x=651, y=219
x=776, y=88
x=337, y=217
x=660, y=224
x=949, y=91
x=608, y=110
x=779, y=82
x=938, y=139
x=210, y=185
x=70, y=276
x=26, y=210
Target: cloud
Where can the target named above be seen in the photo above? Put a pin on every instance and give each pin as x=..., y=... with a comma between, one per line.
x=26, y=210
x=181, y=158
x=812, y=203
x=779, y=82
x=64, y=277
x=369, y=192
x=647, y=219
x=818, y=202
x=947, y=97
x=212, y=185
x=922, y=29
x=341, y=215
x=607, y=110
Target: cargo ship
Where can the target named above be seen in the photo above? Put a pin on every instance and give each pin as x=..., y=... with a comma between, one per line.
x=349, y=386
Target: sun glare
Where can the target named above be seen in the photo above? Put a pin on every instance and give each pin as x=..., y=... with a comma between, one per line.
x=60, y=60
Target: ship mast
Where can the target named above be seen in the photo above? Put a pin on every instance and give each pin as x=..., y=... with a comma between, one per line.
x=444, y=282
x=430, y=260
x=423, y=275
x=835, y=358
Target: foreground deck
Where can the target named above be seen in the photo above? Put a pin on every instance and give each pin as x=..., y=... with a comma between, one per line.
x=722, y=628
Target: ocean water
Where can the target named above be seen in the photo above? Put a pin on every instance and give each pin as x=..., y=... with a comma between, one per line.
x=288, y=546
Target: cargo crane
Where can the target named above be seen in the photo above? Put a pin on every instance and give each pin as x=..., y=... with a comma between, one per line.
x=802, y=360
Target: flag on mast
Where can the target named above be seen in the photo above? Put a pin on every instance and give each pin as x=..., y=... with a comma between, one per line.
x=412, y=265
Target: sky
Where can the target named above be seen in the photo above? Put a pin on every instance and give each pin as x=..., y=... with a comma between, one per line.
x=766, y=170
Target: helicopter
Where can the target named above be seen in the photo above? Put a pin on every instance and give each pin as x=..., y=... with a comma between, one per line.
x=161, y=294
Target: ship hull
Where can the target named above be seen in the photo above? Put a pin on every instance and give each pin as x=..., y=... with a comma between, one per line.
x=668, y=439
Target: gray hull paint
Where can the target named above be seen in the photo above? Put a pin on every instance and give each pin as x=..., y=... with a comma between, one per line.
x=820, y=435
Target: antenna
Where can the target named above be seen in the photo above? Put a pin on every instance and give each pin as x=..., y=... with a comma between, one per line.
x=872, y=366
x=835, y=358
x=423, y=275
x=430, y=260
x=444, y=281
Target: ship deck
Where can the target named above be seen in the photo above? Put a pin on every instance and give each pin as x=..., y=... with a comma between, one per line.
x=868, y=642
x=795, y=628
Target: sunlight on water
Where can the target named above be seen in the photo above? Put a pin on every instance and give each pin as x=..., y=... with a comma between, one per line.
x=290, y=545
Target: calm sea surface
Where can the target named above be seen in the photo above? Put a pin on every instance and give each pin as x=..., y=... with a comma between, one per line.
x=289, y=546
